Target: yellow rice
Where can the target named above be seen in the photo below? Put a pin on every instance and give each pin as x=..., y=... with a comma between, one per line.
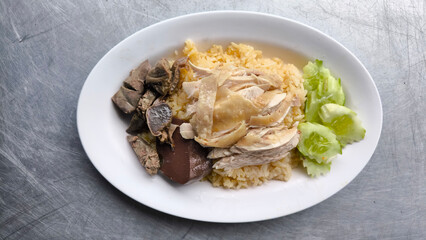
x=242, y=55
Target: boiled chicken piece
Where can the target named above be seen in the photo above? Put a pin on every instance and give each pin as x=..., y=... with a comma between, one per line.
x=191, y=89
x=234, y=82
x=202, y=121
x=224, y=139
x=272, y=146
x=265, y=139
x=274, y=116
x=257, y=139
x=200, y=71
x=242, y=75
x=186, y=131
x=190, y=109
x=231, y=108
x=251, y=93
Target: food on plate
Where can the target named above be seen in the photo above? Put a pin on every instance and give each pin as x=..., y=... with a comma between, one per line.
x=233, y=117
x=186, y=161
x=322, y=88
x=330, y=125
x=344, y=123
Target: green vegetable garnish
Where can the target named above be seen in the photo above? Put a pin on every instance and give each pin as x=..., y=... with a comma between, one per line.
x=314, y=168
x=322, y=89
x=324, y=105
x=343, y=121
x=318, y=142
x=314, y=74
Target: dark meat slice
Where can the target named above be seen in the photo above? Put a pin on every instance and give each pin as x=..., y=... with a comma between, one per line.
x=160, y=76
x=128, y=95
x=176, y=67
x=184, y=163
x=137, y=123
x=144, y=147
x=126, y=99
x=158, y=118
x=136, y=78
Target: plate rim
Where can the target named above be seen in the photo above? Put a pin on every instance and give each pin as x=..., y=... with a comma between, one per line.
x=252, y=13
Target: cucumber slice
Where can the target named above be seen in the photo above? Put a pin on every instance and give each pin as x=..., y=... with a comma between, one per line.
x=322, y=89
x=314, y=168
x=314, y=74
x=343, y=121
x=317, y=99
x=313, y=105
x=318, y=142
x=331, y=89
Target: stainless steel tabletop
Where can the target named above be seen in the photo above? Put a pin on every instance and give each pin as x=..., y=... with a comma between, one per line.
x=50, y=190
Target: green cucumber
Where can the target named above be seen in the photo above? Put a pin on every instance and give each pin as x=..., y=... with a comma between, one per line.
x=322, y=89
x=313, y=104
x=343, y=121
x=331, y=89
x=314, y=74
x=318, y=142
x=314, y=168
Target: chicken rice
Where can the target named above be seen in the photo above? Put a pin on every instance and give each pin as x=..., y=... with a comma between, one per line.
x=245, y=108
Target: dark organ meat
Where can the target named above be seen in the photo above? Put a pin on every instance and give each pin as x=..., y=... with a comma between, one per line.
x=156, y=141
x=186, y=162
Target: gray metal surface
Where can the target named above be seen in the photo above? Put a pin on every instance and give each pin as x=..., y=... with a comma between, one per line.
x=50, y=190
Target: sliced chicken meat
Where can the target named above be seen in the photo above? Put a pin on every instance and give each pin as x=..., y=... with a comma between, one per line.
x=251, y=93
x=225, y=138
x=275, y=117
x=202, y=121
x=230, y=109
x=191, y=88
x=200, y=71
x=259, y=152
x=257, y=139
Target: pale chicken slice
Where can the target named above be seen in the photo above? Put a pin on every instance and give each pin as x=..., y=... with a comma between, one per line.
x=277, y=99
x=191, y=89
x=200, y=71
x=264, y=139
x=252, y=79
x=250, y=158
x=274, y=80
x=238, y=87
x=230, y=109
x=191, y=108
x=202, y=121
x=257, y=139
x=251, y=93
x=224, y=139
x=266, y=98
x=276, y=117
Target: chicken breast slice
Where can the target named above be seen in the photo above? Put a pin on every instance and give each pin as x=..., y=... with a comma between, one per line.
x=256, y=157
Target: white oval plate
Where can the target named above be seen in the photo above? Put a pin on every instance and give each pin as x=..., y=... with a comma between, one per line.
x=102, y=130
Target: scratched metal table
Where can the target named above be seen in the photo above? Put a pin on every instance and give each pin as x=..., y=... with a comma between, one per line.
x=50, y=190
